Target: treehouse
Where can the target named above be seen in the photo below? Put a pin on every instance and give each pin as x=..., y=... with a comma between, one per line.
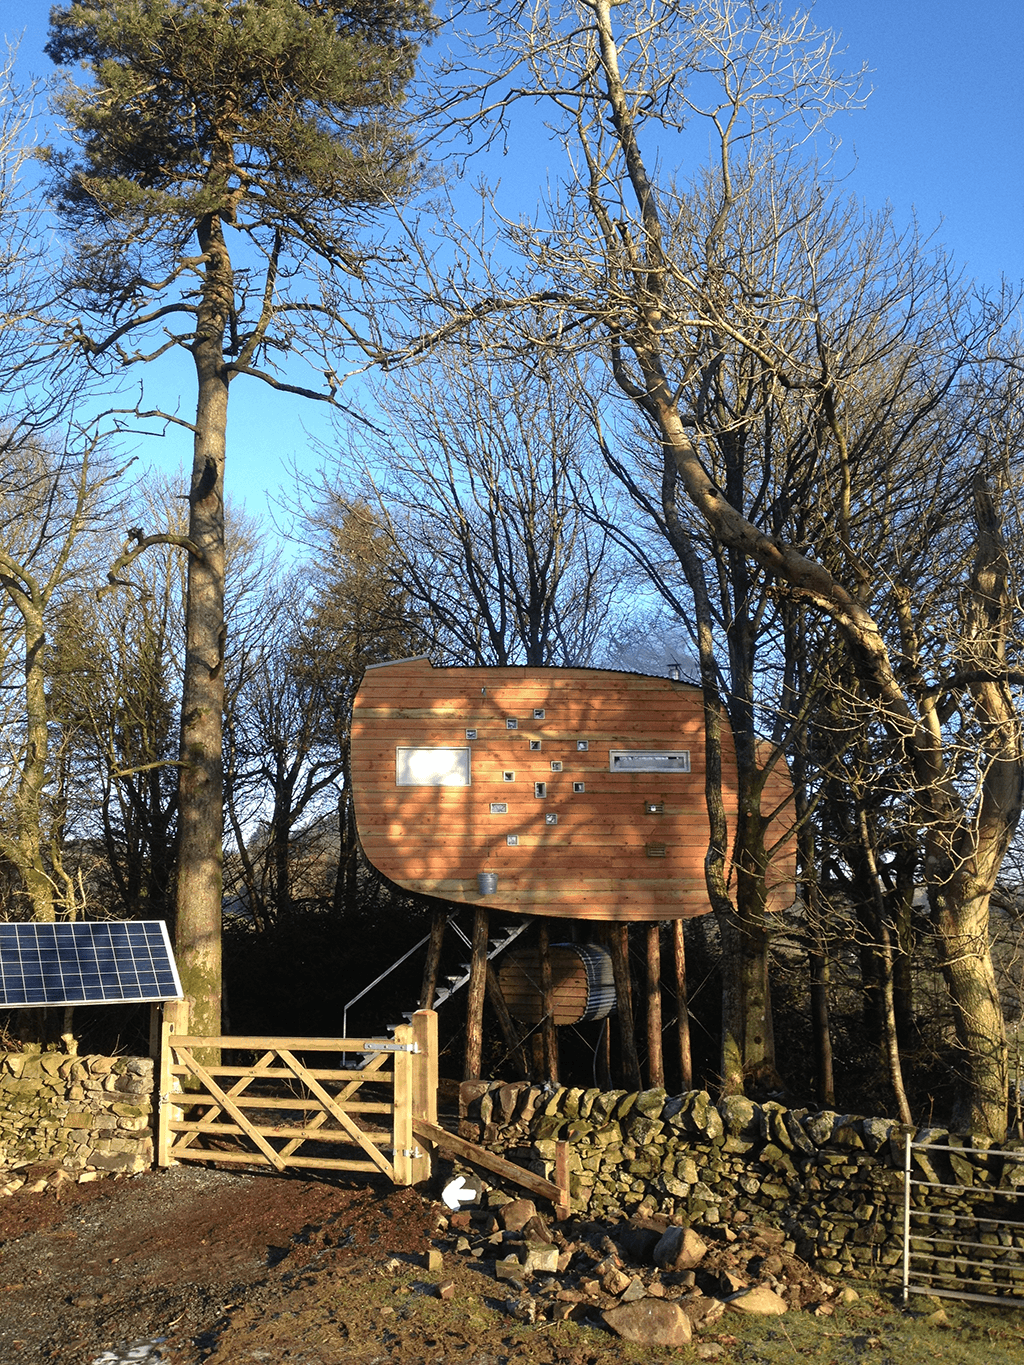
x=569, y=792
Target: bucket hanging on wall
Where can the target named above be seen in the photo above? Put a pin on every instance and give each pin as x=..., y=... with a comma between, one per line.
x=583, y=986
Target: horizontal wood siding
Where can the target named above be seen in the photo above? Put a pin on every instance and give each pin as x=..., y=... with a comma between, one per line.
x=519, y=978
x=607, y=857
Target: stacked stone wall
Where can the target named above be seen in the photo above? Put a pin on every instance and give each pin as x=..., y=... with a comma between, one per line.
x=82, y=1113
x=833, y=1183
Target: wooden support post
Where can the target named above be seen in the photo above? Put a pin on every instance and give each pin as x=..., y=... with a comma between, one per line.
x=618, y=944
x=548, y=1028
x=655, y=1061
x=424, y=1084
x=506, y=1023
x=604, y=1056
x=475, y=997
x=682, y=1004
x=433, y=962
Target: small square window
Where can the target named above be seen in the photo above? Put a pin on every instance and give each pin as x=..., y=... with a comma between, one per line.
x=511, y=723
x=540, y=789
x=534, y=745
x=579, y=786
x=512, y=840
x=508, y=777
x=551, y=819
x=471, y=734
x=583, y=745
x=556, y=765
x=538, y=713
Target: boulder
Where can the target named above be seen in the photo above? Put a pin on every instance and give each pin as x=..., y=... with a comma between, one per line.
x=649, y=1322
x=679, y=1249
x=760, y=1300
x=515, y=1216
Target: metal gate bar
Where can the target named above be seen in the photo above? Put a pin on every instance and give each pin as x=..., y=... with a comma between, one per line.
x=1002, y=1268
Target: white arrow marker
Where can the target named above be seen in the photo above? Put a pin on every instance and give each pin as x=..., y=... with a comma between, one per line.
x=457, y=1193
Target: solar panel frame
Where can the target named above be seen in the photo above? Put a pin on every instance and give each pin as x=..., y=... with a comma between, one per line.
x=86, y=962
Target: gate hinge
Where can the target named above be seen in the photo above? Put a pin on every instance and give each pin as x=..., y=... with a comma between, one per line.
x=392, y=1047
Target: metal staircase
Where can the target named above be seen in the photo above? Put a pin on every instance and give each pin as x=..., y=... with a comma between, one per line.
x=456, y=980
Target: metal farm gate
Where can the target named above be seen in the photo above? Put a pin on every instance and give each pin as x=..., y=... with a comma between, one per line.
x=271, y=1103
x=963, y=1227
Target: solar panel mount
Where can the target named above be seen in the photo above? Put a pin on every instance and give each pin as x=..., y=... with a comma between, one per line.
x=86, y=962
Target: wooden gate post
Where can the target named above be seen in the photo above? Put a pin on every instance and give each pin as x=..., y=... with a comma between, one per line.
x=424, y=1084
x=175, y=1020
x=163, y=1095
x=404, y=1094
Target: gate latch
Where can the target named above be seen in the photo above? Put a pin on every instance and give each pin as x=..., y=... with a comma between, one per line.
x=392, y=1047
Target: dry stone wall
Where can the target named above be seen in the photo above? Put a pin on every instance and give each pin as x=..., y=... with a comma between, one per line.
x=75, y=1113
x=833, y=1183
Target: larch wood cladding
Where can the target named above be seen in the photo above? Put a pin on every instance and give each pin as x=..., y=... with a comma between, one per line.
x=520, y=985
x=587, y=842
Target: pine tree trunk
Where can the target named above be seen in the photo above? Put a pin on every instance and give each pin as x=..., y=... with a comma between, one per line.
x=200, y=837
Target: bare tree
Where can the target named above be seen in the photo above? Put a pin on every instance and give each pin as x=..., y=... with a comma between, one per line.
x=614, y=270
x=476, y=493
x=52, y=508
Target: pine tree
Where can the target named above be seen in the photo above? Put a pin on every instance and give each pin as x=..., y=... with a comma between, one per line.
x=223, y=152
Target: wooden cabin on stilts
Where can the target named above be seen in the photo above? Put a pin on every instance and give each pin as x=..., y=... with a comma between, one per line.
x=574, y=795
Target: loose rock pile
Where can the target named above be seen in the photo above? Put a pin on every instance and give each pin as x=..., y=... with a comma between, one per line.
x=647, y=1279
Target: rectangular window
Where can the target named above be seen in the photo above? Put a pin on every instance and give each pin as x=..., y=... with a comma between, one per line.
x=432, y=767
x=649, y=761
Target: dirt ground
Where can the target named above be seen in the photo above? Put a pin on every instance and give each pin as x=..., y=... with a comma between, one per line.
x=239, y=1268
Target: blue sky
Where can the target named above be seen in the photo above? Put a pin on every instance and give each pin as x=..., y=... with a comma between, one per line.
x=943, y=135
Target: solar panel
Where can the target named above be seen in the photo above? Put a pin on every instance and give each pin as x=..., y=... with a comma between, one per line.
x=86, y=963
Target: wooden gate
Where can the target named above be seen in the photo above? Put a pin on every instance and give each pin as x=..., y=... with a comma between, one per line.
x=281, y=1109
